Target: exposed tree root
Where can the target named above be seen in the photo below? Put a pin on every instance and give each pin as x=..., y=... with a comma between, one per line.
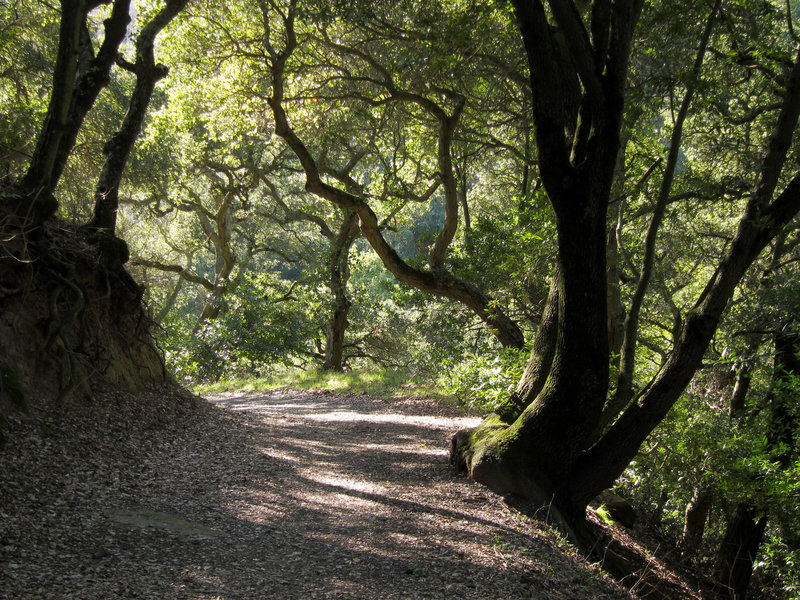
x=472, y=452
x=70, y=317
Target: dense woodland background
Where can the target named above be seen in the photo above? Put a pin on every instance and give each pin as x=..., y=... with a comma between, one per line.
x=496, y=199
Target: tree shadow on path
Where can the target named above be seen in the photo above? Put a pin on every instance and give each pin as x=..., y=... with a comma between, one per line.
x=304, y=495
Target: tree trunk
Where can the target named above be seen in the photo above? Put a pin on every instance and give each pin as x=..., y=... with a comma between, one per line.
x=119, y=147
x=577, y=137
x=40, y=170
x=740, y=389
x=339, y=273
x=624, y=389
x=219, y=234
x=694, y=524
x=549, y=456
x=539, y=361
x=734, y=563
x=597, y=469
x=525, y=459
x=737, y=554
x=93, y=76
x=37, y=204
x=78, y=78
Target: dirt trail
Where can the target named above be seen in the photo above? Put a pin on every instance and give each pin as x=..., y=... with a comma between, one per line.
x=289, y=495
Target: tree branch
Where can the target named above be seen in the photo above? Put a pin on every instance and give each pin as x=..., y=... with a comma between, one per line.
x=154, y=264
x=440, y=283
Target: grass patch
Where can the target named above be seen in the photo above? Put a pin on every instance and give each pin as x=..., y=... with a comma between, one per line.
x=374, y=382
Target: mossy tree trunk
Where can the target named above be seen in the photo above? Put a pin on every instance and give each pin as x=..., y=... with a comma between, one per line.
x=556, y=452
x=577, y=112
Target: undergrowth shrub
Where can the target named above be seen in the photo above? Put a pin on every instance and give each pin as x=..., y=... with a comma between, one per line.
x=483, y=380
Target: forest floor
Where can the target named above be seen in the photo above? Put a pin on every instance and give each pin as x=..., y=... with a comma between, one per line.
x=284, y=495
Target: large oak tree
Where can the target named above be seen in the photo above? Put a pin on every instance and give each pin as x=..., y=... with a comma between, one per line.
x=569, y=431
x=552, y=451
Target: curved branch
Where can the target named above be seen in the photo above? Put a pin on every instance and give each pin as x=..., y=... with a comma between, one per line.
x=119, y=147
x=625, y=379
x=154, y=264
x=760, y=223
x=440, y=282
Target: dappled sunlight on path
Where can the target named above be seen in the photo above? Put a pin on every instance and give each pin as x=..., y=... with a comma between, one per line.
x=285, y=495
x=370, y=508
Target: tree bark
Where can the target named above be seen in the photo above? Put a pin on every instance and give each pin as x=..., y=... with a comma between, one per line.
x=37, y=202
x=338, y=275
x=119, y=147
x=219, y=233
x=695, y=519
x=93, y=77
x=734, y=564
x=526, y=459
x=539, y=362
x=740, y=389
x=577, y=170
x=78, y=78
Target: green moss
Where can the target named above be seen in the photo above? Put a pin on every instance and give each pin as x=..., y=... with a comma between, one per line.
x=468, y=442
x=511, y=408
x=605, y=515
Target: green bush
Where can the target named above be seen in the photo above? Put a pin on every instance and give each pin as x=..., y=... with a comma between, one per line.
x=251, y=334
x=483, y=380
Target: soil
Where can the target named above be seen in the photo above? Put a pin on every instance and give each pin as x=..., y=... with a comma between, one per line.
x=289, y=494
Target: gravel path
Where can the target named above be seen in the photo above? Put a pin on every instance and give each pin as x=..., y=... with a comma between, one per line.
x=286, y=495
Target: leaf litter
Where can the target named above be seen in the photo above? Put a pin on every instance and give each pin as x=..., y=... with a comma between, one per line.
x=285, y=495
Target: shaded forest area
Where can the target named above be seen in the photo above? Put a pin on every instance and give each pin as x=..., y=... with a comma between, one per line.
x=579, y=217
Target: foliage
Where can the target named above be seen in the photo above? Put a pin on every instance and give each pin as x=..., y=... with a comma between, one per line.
x=605, y=516
x=28, y=39
x=251, y=336
x=376, y=383
x=235, y=252
x=483, y=380
x=699, y=446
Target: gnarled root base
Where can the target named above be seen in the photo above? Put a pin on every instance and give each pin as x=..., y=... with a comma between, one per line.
x=71, y=318
x=480, y=452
